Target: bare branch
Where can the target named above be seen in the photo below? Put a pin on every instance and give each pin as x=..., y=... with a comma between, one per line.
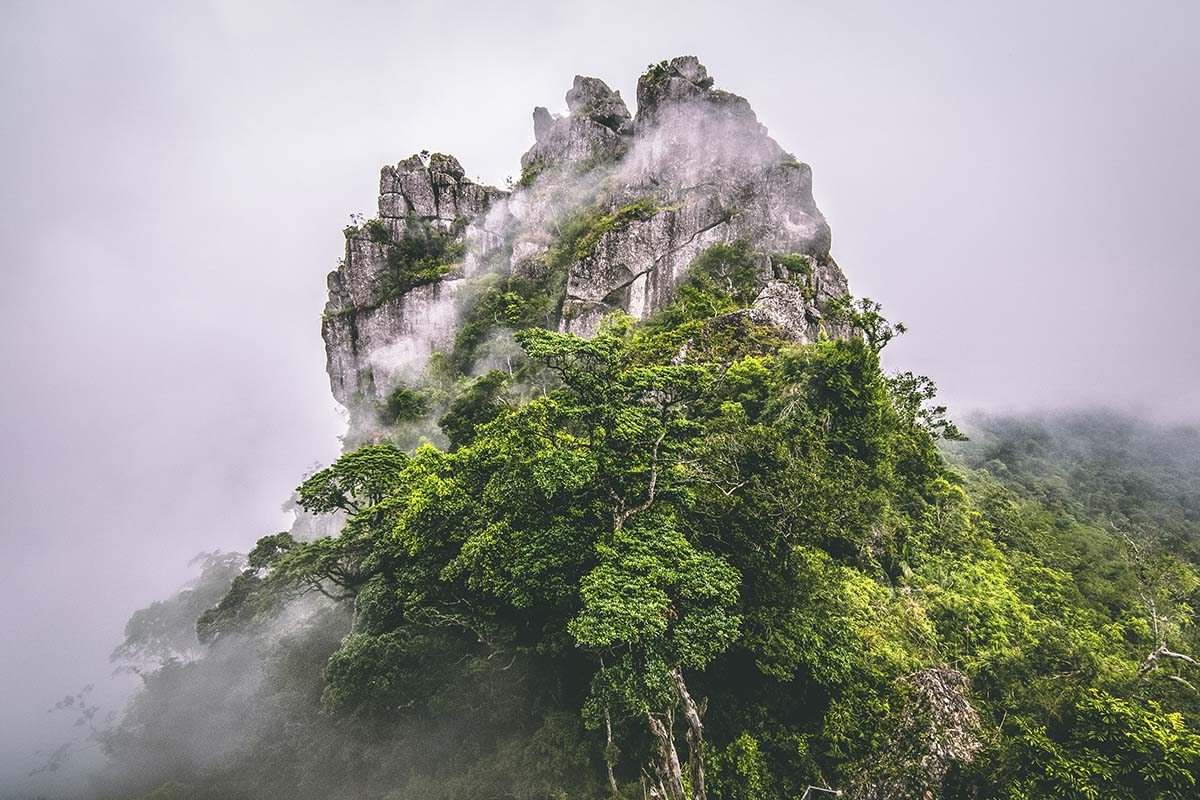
x=1162, y=651
x=1186, y=683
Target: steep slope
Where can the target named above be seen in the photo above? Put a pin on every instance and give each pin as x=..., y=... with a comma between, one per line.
x=610, y=212
x=707, y=548
x=391, y=299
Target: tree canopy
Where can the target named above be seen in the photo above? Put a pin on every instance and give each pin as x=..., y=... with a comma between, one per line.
x=662, y=563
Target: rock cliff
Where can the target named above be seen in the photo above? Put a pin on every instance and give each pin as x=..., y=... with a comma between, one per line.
x=611, y=210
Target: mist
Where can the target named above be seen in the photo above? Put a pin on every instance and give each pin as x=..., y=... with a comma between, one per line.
x=1012, y=183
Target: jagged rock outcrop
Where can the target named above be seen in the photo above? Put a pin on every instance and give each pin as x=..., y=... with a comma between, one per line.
x=381, y=325
x=693, y=168
x=434, y=188
x=596, y=128
x=705, y=160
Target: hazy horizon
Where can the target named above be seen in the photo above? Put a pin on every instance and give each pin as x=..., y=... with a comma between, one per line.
x=1012, y=183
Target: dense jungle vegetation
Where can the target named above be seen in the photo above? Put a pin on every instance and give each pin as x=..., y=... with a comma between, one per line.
x=684, y=559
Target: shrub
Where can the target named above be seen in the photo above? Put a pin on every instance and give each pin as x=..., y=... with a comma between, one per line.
x=403, y=405
x=422, y=256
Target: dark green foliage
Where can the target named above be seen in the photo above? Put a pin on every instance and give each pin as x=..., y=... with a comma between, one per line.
x=238, y=607
x=530, y=172
x=357, y=480
x=376, y=231
x=691, y=502
x=656, y=74
x=864, y=317
x=403, y=404
x=477, y=403
x=912, y=395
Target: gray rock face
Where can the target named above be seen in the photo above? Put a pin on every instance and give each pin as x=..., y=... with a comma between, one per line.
x=434, y=189
x=701, y=155
x=591, y=98
x=541, y=123
x=783, y=305
x=595, y=129
x=694, y=161
x=372, y=350
x=375, y=339
x=678, y=82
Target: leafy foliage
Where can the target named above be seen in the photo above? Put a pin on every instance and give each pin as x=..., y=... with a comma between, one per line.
x=530, y=172
x=422, y=255
x=1106, y=747
x=477, y=403
x=656, y=74
x=688, y=531
x=403, y=404
x=620, y=219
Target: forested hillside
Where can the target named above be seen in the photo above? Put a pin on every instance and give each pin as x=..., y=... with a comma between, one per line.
x=732, y=575
x=629, y=508
x=1099, y=467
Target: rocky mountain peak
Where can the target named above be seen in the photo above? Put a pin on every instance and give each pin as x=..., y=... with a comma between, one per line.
x=434, y=188
x=611, y=211
x=678, y=81
x=596, y=126
x=591, y=98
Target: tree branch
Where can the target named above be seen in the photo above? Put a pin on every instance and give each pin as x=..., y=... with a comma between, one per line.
x=1160, y=652
x=621, y=514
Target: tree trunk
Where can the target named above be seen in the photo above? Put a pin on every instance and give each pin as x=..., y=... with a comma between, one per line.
x=669, y=768
x=695, y=735
x=652, y=785
x=610, y=755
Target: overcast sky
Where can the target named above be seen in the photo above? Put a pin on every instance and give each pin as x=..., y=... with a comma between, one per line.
x=1017, y=181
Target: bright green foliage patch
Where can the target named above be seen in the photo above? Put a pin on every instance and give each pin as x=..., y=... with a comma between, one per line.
x=423, y=255
x=585, y=243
